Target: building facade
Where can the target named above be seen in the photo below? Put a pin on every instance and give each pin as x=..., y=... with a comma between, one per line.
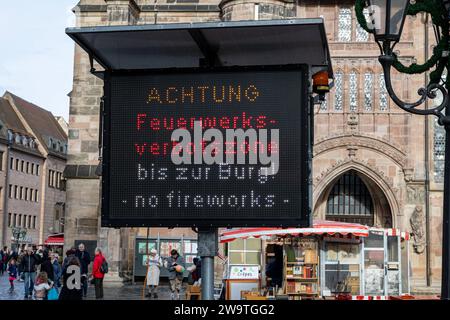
x=33, y=150
x=373, y=163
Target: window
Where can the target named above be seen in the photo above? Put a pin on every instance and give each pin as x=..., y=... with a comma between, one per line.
x=29, y=222
x=50, y=178
x=353, y=92
x=26, y=194
x=345, y=25
x=15, y=220
x=35, y=195
x=10, y=191
x=383, y=94
x=32, y=168
x=28, y=167
x=34, y=222
x=1, y=160
x=438, y=152
x=16, y=194
x=361, y=34
x=22, y=165
x=17, y=164
x=21, y=193
x=245, y=251
x=9, y=219
x=37, y=169
x=11, y=163
x=350, y=201
x=338, y=82
x=368, y=91
x=324, y=104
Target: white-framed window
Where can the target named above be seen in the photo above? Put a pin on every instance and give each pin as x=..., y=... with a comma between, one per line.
x=368, y=91
x=339, y=90
x=361, y=34
x=438, y=151
x=383, y=93
x=353, y=91
x=245, y=251
x=345, y=25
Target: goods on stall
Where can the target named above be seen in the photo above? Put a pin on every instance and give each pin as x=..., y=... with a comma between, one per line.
x=301, y=266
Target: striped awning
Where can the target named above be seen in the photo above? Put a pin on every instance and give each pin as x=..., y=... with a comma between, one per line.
x=55, y=240
x=320, y=227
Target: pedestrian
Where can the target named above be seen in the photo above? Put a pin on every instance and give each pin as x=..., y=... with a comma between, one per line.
x=175, y=266
x=57, y=270
x=5, y=258
x=18, y=262
x=70, y=290
x=46, y=266
x=42, y=286
x=2, y=254
x=154, y=263
x=69, y=254
x=197, y=272
x=28, y=266
x=98, y=272
x=12, y=271
x=85, y=260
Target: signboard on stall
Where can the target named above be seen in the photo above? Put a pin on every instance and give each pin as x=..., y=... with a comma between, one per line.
x=216, y=148
x=244, y=272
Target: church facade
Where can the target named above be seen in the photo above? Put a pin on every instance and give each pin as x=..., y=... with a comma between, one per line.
x=373, y=163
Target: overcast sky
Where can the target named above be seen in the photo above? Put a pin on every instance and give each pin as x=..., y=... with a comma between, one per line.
x=36, y=56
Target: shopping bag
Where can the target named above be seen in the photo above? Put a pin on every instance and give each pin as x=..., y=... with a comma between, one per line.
x=52, y=294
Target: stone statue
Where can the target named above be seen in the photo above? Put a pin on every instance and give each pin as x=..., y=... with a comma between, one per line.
x=417, y=222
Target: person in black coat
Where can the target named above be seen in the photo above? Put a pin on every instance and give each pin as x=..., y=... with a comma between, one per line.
x=85, y=260
x=46, y=266
x=69, y=290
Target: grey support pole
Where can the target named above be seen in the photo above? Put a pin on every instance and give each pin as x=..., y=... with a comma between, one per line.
x=207, y=250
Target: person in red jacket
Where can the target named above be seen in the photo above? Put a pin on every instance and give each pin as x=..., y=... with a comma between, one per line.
x=97, y=273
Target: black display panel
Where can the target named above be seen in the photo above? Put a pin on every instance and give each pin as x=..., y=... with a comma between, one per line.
x=141, y=184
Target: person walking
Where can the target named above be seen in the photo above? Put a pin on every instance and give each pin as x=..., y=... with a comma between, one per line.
x=5, y=258
x=28, y=266
x=57, y=270
x=98, y=272
x=154, y=263
x=12, y=271
x=175, y=266
x=46, y=266
x=69, y=290
x=85, y=260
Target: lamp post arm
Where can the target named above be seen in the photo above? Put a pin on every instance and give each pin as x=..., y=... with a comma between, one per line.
x=424, y=93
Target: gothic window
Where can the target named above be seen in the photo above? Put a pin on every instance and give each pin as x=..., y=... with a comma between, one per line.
x=368, y=91
x=438, y=152
x=361, y=34
x=383, y=94
x=338, y=83
x=353, y=92
x=345, y=25
x=350, y=201
x=324, y=104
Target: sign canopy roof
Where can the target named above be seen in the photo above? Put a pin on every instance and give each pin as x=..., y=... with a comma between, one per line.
x=216, y=44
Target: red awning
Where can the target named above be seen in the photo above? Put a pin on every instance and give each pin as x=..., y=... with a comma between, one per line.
x=55, y=240
x=320, y=227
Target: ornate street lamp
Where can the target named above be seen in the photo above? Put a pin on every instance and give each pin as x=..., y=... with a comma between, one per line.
x=386, y=20
x=18, y=234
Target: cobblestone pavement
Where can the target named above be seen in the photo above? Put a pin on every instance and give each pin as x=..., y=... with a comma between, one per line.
x=126, y=292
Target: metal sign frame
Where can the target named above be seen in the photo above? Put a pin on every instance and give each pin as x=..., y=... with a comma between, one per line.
x=306, y=121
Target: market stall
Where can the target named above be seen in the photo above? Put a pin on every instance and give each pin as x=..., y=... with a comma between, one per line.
x=329, y=259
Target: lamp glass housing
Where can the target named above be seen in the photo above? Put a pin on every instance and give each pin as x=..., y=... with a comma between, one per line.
x=388, y=18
